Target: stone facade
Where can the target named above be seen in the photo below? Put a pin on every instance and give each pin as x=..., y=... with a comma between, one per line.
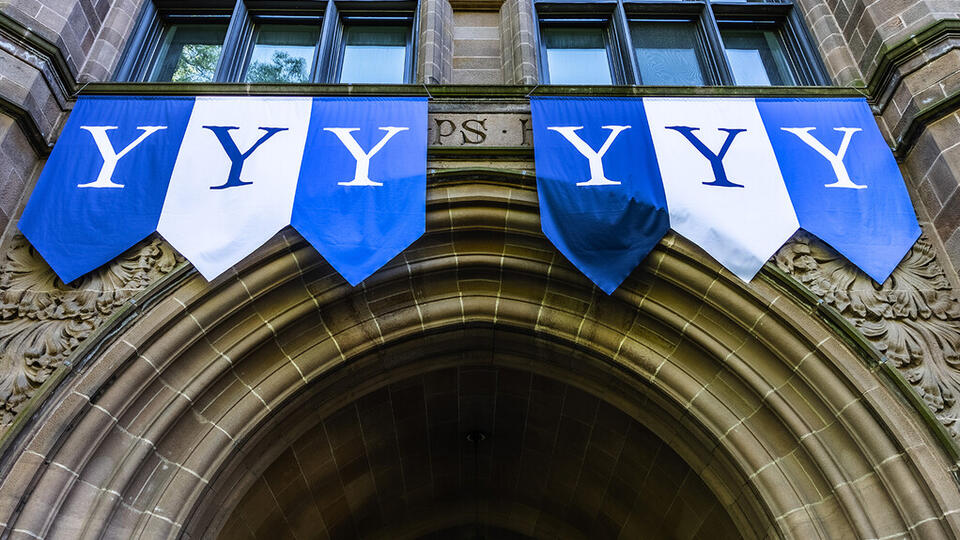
x=279, y=401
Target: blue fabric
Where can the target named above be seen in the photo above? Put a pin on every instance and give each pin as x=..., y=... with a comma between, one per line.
x=77, y=229
x=360, y=228
x=604, y=230
x=873, y=226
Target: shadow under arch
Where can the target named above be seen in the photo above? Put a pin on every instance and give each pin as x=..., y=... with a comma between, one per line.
x=801, y=439
x=456, y=346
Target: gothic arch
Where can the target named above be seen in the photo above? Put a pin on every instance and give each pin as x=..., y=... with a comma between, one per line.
x=179, y=404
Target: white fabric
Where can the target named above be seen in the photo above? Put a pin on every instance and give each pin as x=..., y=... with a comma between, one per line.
x=741, y=227
x=216, y=228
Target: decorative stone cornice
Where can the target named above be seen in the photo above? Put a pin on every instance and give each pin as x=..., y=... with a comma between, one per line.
x=440, y=92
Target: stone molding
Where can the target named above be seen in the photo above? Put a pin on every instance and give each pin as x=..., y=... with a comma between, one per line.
x=58, y=73
x=28, y=126
x=51, y=67
x=914, y=109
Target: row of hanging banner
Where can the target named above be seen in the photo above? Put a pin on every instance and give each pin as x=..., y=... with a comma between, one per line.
x=218, y=176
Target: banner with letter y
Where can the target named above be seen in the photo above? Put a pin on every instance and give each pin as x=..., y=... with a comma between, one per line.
x=361, y=198
x=601, y=200
x=103, y=186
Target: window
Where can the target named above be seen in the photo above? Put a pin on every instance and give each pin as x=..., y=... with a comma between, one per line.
x=669, y=52
x=374, y=54
x=757, y=57
x=189, y=53
x=678, y=42
x=577, y=55
x=263, y=41
x=283, y=53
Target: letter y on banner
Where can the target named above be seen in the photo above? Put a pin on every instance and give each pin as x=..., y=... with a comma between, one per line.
x=233, y=184
x=103, y=187
x=722, y=180
x=601, y=199
x=361, y=198
x=843, y=180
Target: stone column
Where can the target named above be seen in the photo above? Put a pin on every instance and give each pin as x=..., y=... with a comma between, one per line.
x=517, y=44
x=435, y=50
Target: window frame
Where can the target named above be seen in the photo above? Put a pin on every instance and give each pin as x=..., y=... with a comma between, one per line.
x=708, y=16
x=358, y=13
x=244, y=17
x=693, y=12
x=572, y=14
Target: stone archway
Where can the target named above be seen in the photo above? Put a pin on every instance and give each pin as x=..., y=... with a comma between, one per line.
x=555, y=461
x=164, y=430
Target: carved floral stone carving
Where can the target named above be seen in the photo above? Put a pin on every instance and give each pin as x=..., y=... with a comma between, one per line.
x=42, y=320
x=913, y=318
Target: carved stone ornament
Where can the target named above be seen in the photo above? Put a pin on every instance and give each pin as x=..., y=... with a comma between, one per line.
x=42, y=320
x=913, y=318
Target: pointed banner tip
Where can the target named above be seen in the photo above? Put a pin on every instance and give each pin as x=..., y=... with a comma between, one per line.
x=361, y=196
x=601, y=199
x=845, y=184
x=881, y=268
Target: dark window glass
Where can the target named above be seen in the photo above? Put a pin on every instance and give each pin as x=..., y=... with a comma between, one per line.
x=189, y=53
x=283, y=53
x=374, y=54
x=577, y=56
x=757, y=57
x=668, y=53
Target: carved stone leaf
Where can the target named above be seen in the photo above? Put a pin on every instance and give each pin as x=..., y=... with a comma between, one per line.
x=42, y=320
x=913, y=318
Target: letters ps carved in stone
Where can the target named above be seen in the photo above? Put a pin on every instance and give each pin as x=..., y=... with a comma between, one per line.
x=480, y=129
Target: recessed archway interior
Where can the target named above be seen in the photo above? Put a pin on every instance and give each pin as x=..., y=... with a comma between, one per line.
x=478, y=451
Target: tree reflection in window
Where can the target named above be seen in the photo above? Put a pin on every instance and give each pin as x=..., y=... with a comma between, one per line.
x=189, y=53
x=283, y=54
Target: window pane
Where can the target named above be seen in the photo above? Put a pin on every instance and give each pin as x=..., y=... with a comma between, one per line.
x=374, y=54
x=577, y=56
x=757, y=57
x=283, y=53
x=189, y=53
x=668, y=53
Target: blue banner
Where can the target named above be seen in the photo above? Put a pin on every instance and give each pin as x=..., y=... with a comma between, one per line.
x=601, y=199
x=104, y=184
x=361, y=197
x=843, y=180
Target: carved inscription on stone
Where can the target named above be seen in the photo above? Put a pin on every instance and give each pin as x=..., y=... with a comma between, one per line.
x=479, y=129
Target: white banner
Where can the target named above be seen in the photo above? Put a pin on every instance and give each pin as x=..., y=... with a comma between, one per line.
x=723, y=186
x=234, y=181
